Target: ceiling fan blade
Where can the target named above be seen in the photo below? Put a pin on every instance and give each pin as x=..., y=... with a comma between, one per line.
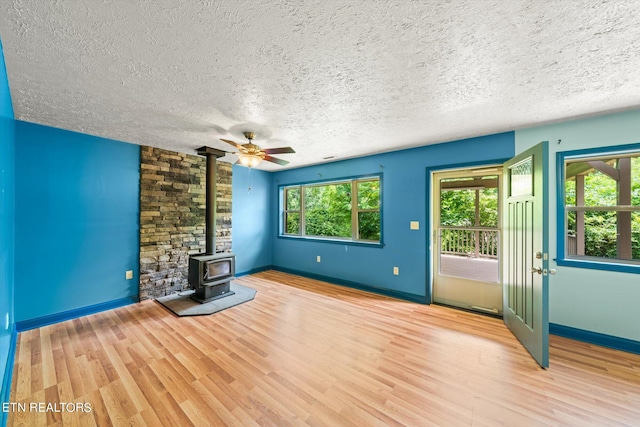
x=281, y=150
x=276, y=160
x=235, y=144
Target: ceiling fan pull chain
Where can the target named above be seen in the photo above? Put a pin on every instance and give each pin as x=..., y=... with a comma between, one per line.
x=249, y=189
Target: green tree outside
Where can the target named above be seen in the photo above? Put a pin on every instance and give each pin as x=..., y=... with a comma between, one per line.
x=328, y=210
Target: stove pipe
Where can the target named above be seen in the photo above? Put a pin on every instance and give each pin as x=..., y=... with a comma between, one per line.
x=210, y=196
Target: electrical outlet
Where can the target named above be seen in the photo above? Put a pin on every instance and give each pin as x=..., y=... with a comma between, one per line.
x=396, y=271
x=414, y=225
x=128, y=275
x=318, y=258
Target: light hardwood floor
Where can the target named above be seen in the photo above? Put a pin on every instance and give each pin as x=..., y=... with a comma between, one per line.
x=304, y=352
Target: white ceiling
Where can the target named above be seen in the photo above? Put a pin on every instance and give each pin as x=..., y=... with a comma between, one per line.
x=339, y=78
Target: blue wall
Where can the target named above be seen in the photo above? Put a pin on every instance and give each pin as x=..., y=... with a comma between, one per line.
x=77, y=221
x=251, y=237
x=7, y=217
x=404, y=193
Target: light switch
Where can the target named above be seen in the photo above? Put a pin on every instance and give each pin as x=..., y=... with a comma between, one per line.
x=128, y=275
x=415, y=225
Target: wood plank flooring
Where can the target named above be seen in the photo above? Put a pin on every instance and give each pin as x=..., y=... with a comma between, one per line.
x=304, y=352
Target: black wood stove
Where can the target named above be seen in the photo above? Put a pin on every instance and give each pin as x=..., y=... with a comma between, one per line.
x=210, y=273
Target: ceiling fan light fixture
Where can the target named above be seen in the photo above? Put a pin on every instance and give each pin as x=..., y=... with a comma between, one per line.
x=249, y=160
x=250, y=155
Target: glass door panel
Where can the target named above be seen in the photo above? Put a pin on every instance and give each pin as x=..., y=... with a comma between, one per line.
x=466, y=257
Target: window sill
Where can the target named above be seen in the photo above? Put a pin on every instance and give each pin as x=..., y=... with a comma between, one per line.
x=333, y=241
x=599, y=265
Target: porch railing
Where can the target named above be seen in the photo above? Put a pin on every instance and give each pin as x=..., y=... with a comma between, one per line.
x=469, y=241
x=572, y=244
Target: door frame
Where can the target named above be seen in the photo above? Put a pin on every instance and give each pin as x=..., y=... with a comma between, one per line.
x=430, y=171
x=472, y=293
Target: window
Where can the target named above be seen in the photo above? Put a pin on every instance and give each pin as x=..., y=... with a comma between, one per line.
x=469, y=201
x=600, y=197
x=292, y=210
x=344, y=210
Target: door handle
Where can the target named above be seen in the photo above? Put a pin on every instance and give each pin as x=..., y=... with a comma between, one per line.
x=536, y=270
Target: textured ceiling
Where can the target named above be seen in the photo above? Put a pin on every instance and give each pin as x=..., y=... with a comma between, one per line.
x=329, y=78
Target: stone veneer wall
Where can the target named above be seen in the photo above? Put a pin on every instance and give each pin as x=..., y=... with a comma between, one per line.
x=172, y=217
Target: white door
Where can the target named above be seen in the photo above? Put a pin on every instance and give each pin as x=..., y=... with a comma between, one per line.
x=466, y=224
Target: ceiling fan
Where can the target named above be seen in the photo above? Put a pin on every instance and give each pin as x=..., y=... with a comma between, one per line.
x=251, y=155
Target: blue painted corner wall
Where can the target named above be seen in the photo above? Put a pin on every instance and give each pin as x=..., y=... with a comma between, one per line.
x=251, y=207
x=77, y=221
x=7, y=240
x=405, y=184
